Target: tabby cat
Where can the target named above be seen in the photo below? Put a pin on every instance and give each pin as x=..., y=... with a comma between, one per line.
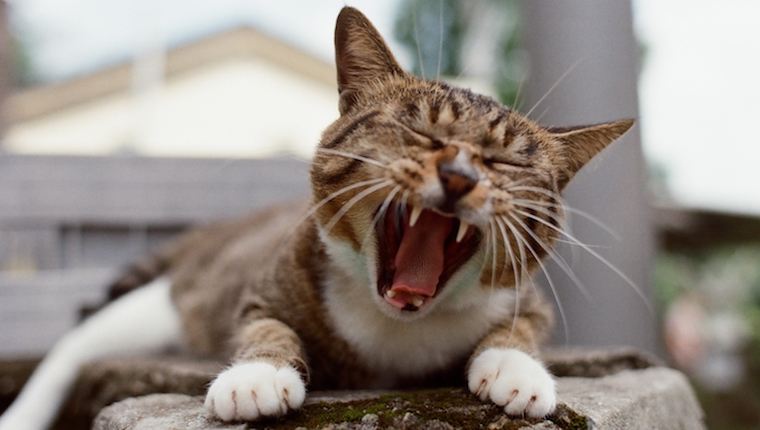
x=410, y=265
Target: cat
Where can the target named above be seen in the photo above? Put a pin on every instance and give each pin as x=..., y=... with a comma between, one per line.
x=410, y=266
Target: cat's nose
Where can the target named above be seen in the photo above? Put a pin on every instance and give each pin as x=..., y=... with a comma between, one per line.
x=457, y=180
x=458, y=176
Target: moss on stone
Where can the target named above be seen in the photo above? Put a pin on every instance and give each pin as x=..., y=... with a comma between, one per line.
x=441, y=408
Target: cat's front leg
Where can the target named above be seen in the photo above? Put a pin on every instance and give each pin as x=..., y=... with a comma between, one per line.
x=503, y=371
x=513, y=379
x=267, y=376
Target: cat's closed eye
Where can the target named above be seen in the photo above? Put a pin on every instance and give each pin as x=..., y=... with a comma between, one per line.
x=505, y=161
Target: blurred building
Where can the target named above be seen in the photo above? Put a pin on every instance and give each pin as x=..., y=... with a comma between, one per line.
x=236, y=94
x=70, y=221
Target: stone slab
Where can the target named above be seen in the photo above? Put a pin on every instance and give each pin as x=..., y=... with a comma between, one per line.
x=617, y=388
x=105, y=382
x=655, y=397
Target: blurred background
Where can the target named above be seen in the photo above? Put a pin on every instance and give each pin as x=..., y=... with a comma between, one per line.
x=123, y=122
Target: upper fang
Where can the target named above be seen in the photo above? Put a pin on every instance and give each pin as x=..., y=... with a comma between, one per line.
x=463, y=227
x=415, y=215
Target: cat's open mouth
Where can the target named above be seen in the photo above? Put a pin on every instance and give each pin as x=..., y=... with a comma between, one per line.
x=418, y=252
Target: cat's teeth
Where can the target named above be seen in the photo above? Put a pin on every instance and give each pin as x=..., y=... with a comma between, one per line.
x=416, y=211
x=390, y=294
x=463, y=226
x=417, y=301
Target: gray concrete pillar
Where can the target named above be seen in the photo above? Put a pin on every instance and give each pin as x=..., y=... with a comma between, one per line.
x=583, y=64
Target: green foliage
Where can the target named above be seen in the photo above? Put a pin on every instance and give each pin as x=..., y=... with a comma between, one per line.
x=20, y=58
x=435, y=32
x=510, y=70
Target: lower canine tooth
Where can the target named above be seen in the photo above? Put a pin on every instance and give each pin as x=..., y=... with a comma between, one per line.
x=417, y=301
x=463, y=226
x=390, y=294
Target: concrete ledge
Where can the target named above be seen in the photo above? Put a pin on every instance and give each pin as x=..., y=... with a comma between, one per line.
x=629, y=391
x=655, y=398
x=105, y=382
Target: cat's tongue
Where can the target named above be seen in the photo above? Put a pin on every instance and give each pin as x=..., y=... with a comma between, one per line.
x=419, y=260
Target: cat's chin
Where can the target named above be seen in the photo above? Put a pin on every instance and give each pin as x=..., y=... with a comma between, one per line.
x=419, y=250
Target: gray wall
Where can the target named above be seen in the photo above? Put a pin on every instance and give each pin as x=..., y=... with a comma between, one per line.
x=592, y=43
x=67, y=224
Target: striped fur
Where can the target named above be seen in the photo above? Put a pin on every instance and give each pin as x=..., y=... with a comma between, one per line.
x=411, y=264
x=299, y=288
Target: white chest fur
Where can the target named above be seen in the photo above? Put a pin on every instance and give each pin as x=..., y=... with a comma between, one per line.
x=407, y=348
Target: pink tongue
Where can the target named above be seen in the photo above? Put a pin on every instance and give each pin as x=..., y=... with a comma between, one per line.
x=419, y=260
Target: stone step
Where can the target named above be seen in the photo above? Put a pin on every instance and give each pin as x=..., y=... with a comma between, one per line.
x=652, y=398
x=598, y=389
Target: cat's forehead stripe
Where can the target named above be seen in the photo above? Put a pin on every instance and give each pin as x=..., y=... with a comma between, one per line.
x=350, y=129
x=434, y=111
x=496, y=121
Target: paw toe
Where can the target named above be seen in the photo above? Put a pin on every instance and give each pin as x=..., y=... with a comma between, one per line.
x=249, y=391
x=513, y=380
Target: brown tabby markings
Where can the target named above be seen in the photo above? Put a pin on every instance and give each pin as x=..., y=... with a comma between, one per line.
x=255, y=289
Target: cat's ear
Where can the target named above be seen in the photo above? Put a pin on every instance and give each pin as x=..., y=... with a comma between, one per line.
x=361, y=56
x=580, y=144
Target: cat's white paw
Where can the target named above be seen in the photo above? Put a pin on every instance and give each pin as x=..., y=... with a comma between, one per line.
x=514, y=380
x=250, y=391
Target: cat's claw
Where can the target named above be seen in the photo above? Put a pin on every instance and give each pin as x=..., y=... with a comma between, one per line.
x=251, y=391
x=514, y=380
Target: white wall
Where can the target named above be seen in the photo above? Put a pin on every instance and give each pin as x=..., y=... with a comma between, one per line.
x=237, y=108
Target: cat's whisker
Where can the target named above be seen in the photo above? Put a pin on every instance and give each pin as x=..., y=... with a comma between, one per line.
x=489, y=240
x=518, y=94
x=355, y=199
x=415, y=18
x=504, y=242
x=542, y=114
x=384, y=158
x=519, y=265
x=518, y=279
x=549, y=193
x=381, y=213
x=293, y=157
x=553, y=254
x=440, y=38
x=553, y=87
x=549, y=279
x=492, y=243
x=571, y=243
x=599, y=257
x=558, y=201
x=350, y=155
x=529, y=204
x=560, y=221
x=493, y=254
x=510, y=253
x=329, y=198
x=570, y=210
